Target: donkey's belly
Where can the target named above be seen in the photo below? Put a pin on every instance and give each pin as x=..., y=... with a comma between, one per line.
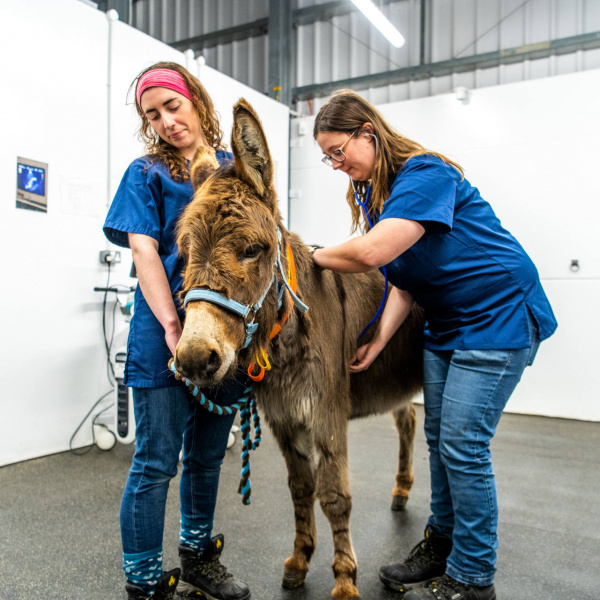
x=286, y=407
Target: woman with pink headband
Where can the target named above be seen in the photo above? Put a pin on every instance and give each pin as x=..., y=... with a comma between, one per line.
x=177, y=116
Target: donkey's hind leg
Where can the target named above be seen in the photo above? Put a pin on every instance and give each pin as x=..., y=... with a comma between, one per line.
x=297, y=452
x=406, y=422
x=333, y=491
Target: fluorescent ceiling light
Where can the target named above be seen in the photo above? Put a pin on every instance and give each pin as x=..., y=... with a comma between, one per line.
x=379, y=21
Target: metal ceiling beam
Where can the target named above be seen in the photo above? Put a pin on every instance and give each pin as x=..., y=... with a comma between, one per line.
x=224, y=36
x=518, y=54
x=280, y=51
x=422, y=31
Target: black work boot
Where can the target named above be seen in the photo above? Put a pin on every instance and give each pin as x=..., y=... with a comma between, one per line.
x=425, y=561
x=205, y=575
x=447, y=588
x=165, y=588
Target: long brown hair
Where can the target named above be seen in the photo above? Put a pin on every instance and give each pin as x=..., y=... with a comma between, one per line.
x=163, y=151
x=347, y=112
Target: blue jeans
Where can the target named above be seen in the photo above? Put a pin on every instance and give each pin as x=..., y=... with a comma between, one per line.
x=465, y=394
x=166, y=419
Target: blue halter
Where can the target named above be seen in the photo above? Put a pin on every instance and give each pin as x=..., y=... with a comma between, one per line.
x=247, y=312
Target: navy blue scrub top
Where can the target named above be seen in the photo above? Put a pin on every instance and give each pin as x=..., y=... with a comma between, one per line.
x=472, y=277
x=148, y=201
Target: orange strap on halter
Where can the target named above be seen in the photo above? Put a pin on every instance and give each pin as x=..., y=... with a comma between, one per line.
x=292, y=280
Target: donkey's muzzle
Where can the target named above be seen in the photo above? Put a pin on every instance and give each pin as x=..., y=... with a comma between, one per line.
x=199, y=365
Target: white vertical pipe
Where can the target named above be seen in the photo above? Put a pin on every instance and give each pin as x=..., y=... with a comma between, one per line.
x=112, y=16
x=190, y=63
x=200, y=63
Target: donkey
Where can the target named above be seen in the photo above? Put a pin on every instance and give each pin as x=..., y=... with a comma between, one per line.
x=230, y=235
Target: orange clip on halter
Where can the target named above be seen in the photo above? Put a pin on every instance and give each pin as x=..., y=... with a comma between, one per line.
x=292, y=280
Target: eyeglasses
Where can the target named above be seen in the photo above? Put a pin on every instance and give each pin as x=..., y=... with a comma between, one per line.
x=338, y=155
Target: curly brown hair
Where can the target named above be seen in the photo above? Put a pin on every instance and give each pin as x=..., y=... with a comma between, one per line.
x=347, y=112
x=164, y=152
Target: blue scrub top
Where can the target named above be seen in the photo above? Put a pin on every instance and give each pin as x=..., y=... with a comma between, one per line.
x=148, y=201
x=472, y=277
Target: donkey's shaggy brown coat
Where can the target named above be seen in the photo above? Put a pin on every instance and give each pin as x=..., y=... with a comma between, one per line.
x=228, y=235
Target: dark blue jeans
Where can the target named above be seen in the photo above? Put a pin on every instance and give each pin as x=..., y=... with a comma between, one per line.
x=465, y=394
x=166, y=420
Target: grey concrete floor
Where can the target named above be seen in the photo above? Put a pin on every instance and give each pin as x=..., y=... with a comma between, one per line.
x=59, y=517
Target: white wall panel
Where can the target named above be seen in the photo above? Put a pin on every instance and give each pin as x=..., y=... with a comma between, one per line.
x=562, y=382
x=52, y=358
x=531, y=149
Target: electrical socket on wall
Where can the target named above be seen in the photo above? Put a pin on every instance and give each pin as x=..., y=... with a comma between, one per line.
x=108, y=257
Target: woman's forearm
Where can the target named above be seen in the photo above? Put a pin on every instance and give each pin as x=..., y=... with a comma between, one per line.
x=347, y=257
x=397, y=308
x=382, y=244
x=153, y=281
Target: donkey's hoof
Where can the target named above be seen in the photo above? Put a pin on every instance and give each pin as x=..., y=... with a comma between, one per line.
x=345, y=591
x=399, y=502
x=293, y=579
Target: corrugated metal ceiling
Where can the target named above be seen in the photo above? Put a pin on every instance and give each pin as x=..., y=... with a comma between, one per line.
x=336, y=48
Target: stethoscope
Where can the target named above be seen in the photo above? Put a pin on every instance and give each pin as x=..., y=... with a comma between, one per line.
x=383, y=269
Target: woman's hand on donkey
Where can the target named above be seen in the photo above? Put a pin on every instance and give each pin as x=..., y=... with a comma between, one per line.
x=365, y=355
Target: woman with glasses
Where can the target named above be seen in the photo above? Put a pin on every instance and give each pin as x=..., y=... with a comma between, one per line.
x=444, y=248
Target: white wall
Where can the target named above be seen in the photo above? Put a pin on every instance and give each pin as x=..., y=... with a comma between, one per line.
x=532, y=150
x=55, y=108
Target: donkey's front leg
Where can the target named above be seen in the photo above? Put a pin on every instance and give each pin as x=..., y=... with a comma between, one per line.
x=333, y=491
x=406, y=423
x=301, y=481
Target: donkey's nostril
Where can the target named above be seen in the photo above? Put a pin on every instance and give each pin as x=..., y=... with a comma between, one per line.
x=213, y=364
x=183, y=365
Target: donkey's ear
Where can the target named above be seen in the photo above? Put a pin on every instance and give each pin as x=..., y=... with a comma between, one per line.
x=253, y=162
x=204, y=164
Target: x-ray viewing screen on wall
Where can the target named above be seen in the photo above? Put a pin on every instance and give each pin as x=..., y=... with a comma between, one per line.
x=32, y=184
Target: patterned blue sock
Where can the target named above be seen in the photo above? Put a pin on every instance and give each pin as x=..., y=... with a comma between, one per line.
x=195, y=534
x=144, y=569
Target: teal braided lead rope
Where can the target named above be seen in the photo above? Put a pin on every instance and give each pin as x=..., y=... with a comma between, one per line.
x=256, y=420
x=244, y=488
x=247, y=407
x=247, y=445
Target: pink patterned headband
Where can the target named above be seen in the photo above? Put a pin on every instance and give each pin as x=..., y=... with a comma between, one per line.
x=166, y=78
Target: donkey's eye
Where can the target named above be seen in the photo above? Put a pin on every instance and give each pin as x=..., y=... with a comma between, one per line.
x=252, y=251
